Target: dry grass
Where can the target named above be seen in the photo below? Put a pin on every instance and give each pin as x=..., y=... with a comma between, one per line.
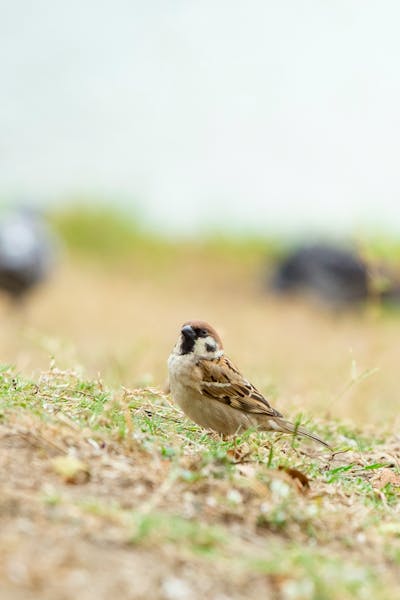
x=106, y=490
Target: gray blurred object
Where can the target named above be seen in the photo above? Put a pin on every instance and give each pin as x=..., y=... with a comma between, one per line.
x=27, y=252
x=335, y=275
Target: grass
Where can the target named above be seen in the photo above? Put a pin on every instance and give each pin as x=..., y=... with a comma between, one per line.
x=271, y=509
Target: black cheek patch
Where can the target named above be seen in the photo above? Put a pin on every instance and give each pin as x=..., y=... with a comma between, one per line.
x=210, y=347
x=187, y=345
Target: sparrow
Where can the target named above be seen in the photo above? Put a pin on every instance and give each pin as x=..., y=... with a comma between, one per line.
x=212, y=392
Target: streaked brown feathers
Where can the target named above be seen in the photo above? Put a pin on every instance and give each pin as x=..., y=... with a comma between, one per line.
x=221, y=381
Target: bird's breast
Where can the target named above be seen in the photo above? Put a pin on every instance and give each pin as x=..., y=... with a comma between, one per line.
x=181, y=370
x=206, y=412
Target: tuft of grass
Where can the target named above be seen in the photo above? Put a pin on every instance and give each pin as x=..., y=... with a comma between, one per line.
x=158, y=528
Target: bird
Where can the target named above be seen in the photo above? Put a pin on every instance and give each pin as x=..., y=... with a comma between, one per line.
x=335, y=275
x=338, y=276
x=26, y=252
x=213, y=393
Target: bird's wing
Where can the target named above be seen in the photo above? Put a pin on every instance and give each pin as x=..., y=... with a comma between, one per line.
x=220, y=380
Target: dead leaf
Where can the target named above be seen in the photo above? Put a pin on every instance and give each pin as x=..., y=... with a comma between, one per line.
x=384, y=477
x=298, y=477
x=71, y=469
x=238, y=454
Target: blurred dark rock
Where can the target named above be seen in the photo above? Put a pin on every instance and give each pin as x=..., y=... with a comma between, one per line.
x=27, y=251
x=334, y=275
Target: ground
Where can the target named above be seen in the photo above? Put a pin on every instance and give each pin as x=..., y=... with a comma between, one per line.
x=107, y=490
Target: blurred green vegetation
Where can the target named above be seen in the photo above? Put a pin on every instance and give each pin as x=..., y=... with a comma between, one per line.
x=99, y=231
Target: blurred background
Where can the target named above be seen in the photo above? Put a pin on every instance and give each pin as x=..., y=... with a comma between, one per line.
x=225, y=161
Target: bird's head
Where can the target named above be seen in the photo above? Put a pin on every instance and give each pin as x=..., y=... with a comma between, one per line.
x=200, y=339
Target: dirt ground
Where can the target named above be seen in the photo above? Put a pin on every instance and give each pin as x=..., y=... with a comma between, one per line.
x=54, y=552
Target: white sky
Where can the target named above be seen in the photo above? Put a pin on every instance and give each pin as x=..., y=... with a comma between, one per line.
x=265, y=115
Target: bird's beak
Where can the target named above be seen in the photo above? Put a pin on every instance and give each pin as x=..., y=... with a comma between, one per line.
x=188, y=332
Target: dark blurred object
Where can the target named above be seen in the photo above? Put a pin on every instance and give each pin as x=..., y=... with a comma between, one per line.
x=27, y=252
x=331, y=274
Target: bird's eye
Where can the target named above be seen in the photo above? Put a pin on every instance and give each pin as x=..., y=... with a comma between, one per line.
x=202, y=332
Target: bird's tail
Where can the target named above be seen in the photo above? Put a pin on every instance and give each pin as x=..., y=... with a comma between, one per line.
x=288, y=427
